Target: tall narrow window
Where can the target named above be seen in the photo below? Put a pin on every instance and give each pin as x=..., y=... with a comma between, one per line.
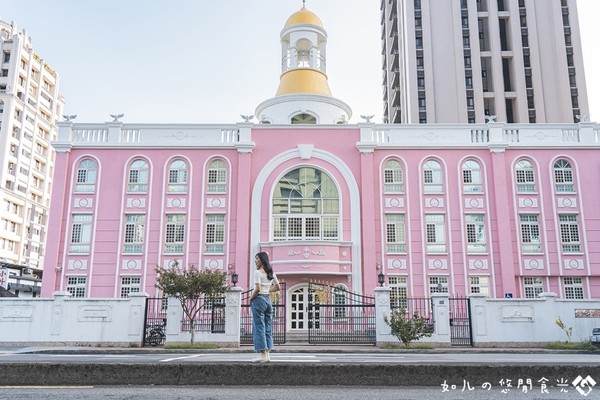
x=533, y=286
x=563, y=177
x=395, y=233
x=569, y=233
x=175, y=233
x=392, y=177
x=177, y=177
x=435, y=231
x=398, y=291
x=573, y=287
x=217, y=177
x=480, y=285
x=525, y=177
x=76, y=286
x=305, y=206
x=130, y=284
x=530, y=233
x=340, y=297
x=81, y=233
x=86, y=176
x=438, y=284
x=138, y=177
x=134, y=233
x=476, y=242
x=432, y=177
x=215, y=233
x=471, y=174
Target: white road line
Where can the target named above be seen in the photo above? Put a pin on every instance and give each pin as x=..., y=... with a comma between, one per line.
x=181, y=358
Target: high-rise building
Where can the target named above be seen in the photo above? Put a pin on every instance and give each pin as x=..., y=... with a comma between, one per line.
x=29, y=107
x=460, y=61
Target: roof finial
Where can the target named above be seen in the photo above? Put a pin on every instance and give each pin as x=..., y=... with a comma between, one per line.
x=303, y=3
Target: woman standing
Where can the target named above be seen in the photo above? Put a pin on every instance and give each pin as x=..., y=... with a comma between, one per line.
x=265, y=282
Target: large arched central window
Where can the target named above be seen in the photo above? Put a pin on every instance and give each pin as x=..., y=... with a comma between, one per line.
x=306, y=206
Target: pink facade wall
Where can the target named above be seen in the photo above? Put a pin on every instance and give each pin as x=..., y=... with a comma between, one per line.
x=360, y=253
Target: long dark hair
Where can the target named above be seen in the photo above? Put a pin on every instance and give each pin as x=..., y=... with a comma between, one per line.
x=264, y=259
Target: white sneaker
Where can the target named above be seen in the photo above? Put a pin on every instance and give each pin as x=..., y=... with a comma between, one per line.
x=262, y=359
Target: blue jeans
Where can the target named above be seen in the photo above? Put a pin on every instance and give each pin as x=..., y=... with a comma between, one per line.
x=262, y=323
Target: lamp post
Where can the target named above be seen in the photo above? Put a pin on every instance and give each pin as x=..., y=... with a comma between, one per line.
x=234, y=278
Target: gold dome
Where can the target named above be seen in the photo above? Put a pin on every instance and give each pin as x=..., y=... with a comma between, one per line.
x=303, y=80
x=303, y=17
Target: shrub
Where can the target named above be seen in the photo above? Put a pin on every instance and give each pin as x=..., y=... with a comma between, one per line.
x=407, y=327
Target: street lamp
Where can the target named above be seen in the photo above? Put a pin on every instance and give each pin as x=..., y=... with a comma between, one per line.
x=234, y=278
x=381, y=278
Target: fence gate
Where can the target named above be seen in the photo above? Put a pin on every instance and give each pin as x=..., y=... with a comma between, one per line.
x=460, y=321
x=155, y=321
x=337, y=316
x=279, y=315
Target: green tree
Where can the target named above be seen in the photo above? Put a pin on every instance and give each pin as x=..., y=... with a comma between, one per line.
x=192, y=287
x=408, y=327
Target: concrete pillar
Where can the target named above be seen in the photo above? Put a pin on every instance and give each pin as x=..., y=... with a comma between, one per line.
x=441, y=317
x=233, y=311
x=57, y=312
x=479, y=315
x=137, y=311
x=382, y=308
x=174, y=318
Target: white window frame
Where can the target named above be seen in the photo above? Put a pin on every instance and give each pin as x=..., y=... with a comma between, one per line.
x=525, y=177
x=217, y=177
x=479, y=284
x=475, y=232
x=573, y=287
x=76, y=285
x=133, y=240
x=435, y=233
x=87, y=173
x=177, y=177
x=174, y=233
x=563, y=177
x=81, y=233
x=531, y=240
x=432, y=177
x=471, y=177
x=130, y=284
x=339, y=297
x=533, y=286
x=393, y=181
x=395, y=233
x=138, y=177
x=436, y=280
x=298, y=215
x=214, y=240
x=570, y=238
x=398, y=285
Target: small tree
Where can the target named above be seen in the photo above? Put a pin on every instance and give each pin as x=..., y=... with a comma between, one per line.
x=568, y=330
x=192, y=287
x=407, y=327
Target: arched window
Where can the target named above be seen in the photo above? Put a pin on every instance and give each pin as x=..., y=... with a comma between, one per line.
x=563, y=177
x=525, y=177
x=392, y=177
x=217, y=177
x=306, y=206
x=471, y=173
x=304, y=118
x=138, y=177
x=432, y=177
x=86, y=176
x=177, y=176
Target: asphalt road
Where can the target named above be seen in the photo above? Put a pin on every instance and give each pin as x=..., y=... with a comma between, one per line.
x=284, y=393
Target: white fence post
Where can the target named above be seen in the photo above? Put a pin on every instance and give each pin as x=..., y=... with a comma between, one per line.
x=441, y=317
x=137, y=310
x=233, y=310
x=174, y=318
x=382, y=308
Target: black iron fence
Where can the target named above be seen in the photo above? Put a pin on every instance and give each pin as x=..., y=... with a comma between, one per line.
x=210, y=317
x=419, y=306
x=337, y=316
x=155, y=321
x=460, y=321
x=279, y=316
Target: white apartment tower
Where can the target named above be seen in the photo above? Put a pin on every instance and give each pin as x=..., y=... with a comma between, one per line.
x=29, y=108
x=458, y=61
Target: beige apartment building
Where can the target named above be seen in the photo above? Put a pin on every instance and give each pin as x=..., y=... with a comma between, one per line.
x=460, y=61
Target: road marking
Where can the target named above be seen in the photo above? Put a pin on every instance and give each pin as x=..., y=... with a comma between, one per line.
x=47, y=387
x=181, y=358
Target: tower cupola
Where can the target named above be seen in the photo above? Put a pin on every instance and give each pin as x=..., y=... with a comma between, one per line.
x=303, y=95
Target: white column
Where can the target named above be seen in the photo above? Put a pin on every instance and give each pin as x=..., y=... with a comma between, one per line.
x=382, y=308
x=233, y=310
x=441, y=312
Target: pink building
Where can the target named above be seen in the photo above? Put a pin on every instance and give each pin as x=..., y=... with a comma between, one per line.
x=507, y=210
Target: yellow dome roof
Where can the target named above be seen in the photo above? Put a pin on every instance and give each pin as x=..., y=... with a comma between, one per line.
x=302, y=17
x=303, y=80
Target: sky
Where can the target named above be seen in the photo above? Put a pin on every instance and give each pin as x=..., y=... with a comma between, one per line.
x=200, y=61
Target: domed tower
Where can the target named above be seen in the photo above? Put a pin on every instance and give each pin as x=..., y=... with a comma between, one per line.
x=303, y=96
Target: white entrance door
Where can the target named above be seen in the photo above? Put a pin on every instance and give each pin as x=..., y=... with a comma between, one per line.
x=298, y=306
